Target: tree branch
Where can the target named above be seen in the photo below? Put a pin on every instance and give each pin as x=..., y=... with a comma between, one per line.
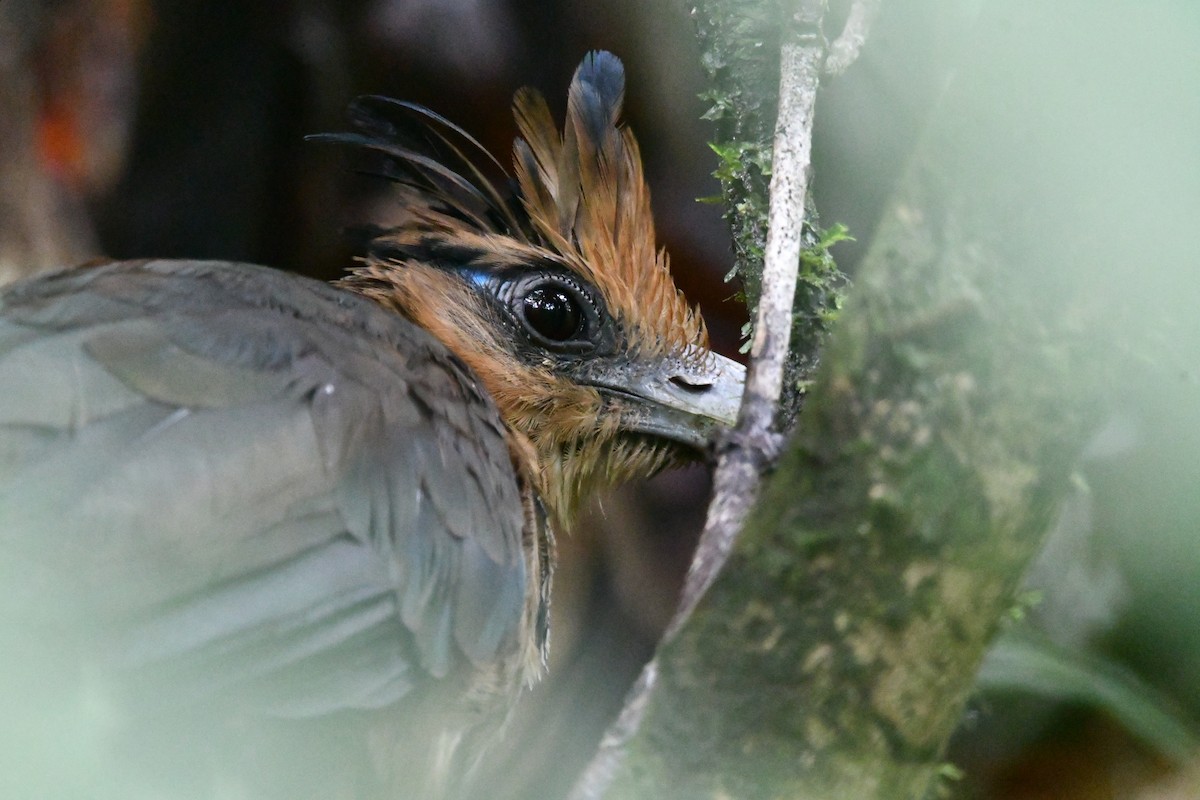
x=833, y=654
x=753, y=445
x=845, y=49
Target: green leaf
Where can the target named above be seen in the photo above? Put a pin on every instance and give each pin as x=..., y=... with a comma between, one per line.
x=1026, y=661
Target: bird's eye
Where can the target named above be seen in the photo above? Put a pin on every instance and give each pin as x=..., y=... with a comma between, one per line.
x=552, y=313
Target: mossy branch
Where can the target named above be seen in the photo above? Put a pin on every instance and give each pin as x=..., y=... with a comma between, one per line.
x=742, y=48
x=773, y=267
x=832, y=656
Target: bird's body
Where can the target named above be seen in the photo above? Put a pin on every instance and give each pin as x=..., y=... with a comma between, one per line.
x=336, y=519
x=288, y=539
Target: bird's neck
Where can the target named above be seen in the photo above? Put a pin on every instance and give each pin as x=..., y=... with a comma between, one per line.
x=550, y=423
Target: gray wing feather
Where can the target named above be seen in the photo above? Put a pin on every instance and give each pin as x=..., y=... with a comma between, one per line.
x=250, y=482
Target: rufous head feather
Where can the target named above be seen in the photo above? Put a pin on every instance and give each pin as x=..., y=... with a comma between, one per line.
x=581, y=208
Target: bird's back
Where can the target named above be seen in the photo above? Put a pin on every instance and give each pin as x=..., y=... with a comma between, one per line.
x=238, y=497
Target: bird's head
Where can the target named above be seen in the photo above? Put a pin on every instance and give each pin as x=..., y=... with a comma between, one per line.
x=557, y=297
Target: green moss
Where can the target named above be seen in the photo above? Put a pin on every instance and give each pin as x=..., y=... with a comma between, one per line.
x=741, y=44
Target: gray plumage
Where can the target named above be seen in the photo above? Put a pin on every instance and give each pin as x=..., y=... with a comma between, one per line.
x=262, y=538
x=346, y=524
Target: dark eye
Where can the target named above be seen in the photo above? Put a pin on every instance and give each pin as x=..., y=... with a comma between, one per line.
x=553, y=313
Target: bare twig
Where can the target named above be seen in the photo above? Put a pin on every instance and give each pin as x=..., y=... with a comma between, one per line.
x=752, y=445
x=844, y=50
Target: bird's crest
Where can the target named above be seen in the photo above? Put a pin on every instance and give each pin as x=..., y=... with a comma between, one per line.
x=581, y=200
x=576, y=201
x=586, y=196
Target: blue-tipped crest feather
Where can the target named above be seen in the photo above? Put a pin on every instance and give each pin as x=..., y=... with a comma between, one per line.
x=600, y=79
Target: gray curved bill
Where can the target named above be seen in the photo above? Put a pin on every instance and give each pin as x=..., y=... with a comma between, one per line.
x=680, y=398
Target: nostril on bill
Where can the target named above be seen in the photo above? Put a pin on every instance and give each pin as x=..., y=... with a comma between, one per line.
x=693, y=387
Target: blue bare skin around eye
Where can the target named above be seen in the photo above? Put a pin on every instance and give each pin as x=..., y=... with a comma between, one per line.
x=478, y=277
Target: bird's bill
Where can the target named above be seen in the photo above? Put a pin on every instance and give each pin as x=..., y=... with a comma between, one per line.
x=679, y=399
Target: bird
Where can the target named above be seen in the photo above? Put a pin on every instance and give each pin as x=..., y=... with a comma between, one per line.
x=265, y=536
